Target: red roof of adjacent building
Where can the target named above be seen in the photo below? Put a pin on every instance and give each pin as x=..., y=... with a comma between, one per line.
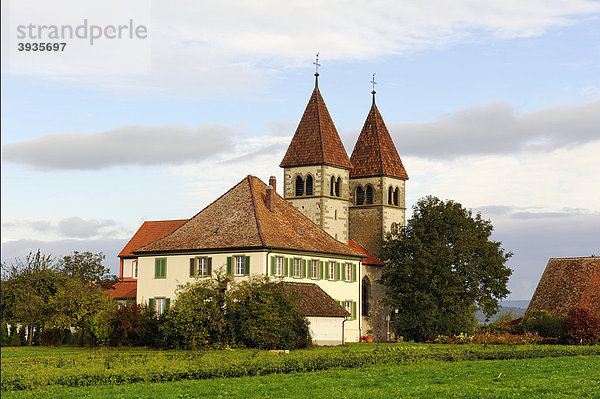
x=150, y=231
x=568, y=283
x=313, y=301
x=240, y=219
x=370, y=259
x=375, y=153
x=316, y=140
x=123, y=290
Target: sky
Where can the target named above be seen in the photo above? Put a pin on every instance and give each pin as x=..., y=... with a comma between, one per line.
x=492, y=104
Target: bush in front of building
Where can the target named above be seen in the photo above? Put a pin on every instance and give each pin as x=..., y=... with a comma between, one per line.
x=542, y=323
x=262, y=316
x=134, y=325
x=581, y=327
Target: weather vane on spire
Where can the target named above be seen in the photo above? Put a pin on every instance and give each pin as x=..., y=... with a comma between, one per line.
x=317, y=65
x=373, y=82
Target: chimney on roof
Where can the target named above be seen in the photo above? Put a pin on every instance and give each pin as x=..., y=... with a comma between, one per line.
x=269, y=197
x=273, y=183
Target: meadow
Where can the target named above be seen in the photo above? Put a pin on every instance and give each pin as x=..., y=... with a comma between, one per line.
x=357, y=370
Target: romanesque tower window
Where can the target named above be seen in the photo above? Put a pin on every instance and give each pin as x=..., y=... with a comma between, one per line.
x=366, y=295
x=360, y=195
x=396, y=196
x=369, y=194
x=338, y=184
x=299, y=186
x=309, y=185
x=390, y=195
x=332, y=186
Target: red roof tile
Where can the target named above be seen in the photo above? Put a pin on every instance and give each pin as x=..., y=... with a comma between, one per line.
x=241, y=219
x=123, y=290
x=150, y=231
x=313, y=301
x=568, y=283
x=370, y=259
x=375, y=153
x=316, y=140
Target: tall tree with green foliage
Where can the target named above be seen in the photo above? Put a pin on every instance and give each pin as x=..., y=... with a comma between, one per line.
x=86, y=266
x=440, y=268
x=27, y=286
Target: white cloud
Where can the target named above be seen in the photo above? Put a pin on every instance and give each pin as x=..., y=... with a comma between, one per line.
x=225, y=46
x=71, y=227
x=141, y=145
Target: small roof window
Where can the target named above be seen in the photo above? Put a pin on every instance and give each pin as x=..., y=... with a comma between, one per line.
x=299, y=232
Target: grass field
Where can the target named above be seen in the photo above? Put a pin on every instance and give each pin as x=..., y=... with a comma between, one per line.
x=564, y=376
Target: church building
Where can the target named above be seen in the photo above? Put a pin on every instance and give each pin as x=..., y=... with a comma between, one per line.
x=322, y=239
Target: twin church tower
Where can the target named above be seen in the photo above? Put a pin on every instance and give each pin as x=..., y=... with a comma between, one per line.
x=360, y=198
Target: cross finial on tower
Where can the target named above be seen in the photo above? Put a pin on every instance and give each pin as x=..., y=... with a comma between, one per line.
x=317, y=65
x=373, y=82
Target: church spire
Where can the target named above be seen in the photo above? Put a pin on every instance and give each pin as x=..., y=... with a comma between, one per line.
x=317, y=65
x=373, y=82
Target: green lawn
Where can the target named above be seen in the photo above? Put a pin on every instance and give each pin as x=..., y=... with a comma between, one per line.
x=558, y=377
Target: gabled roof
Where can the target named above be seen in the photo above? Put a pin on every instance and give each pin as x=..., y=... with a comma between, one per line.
x=123, y=290
x=150, y=231
x=313, y=301
x=370, y=259
x=568, y=283
x=374, y=152
x=316, y=140
x=241, y=219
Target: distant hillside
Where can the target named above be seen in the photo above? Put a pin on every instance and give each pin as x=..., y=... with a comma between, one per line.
x=517, y=307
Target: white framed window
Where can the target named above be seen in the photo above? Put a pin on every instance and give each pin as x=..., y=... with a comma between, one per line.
x=331, y=270
x=314, y=269
x=203, y=269
x=297, y=268
x=135, y=268
x=240, y=265
x=348, y=271
x=279, y=266
x=348, y=306
x=161, y=305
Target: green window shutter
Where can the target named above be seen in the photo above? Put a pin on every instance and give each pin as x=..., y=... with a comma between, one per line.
x=273, y=260
x=151, y=304
x=343, y=270
x=303, y=268
x=354, y=272
x=192, y=267
x=229, y=265
x=160, y=268
x=247, y=266
x=321, y=270
x=290, y=266
x=167, y=303
x=209, y=266
x=164, y=268
x=353, y=310
x=156, y=268
x=337, y=274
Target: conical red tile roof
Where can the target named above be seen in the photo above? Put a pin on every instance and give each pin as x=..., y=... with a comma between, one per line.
x=316, y=140
x=240, y=219
x=375, y=153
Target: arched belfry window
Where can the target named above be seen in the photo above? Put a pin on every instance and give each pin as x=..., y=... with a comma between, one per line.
x=309, y=185
x=338, y=184
x=360, y=195
x=390, y=195
x=396, y=196
x=332, y=188
x=299, y=186
x=366, y=296
x=369, y=195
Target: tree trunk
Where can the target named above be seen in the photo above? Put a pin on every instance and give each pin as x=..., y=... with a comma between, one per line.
x=30, y=334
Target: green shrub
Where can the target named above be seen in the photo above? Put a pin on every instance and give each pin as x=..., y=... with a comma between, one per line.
x=5, y=339
x=51, y=337
x=543, y=323
x=581, y=327
x=262, y=316
x=13, y=339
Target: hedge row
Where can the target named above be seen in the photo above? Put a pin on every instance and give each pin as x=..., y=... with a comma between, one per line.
x=22, y=374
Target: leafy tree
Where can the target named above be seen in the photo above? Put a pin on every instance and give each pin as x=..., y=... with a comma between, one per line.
x=86, y=266
x=581, y=327
x=262, y=316
x=27, y=286
x=197, y=317
x=85, y=305
x=134, y=325
x=440, y=267
x=543, y=323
